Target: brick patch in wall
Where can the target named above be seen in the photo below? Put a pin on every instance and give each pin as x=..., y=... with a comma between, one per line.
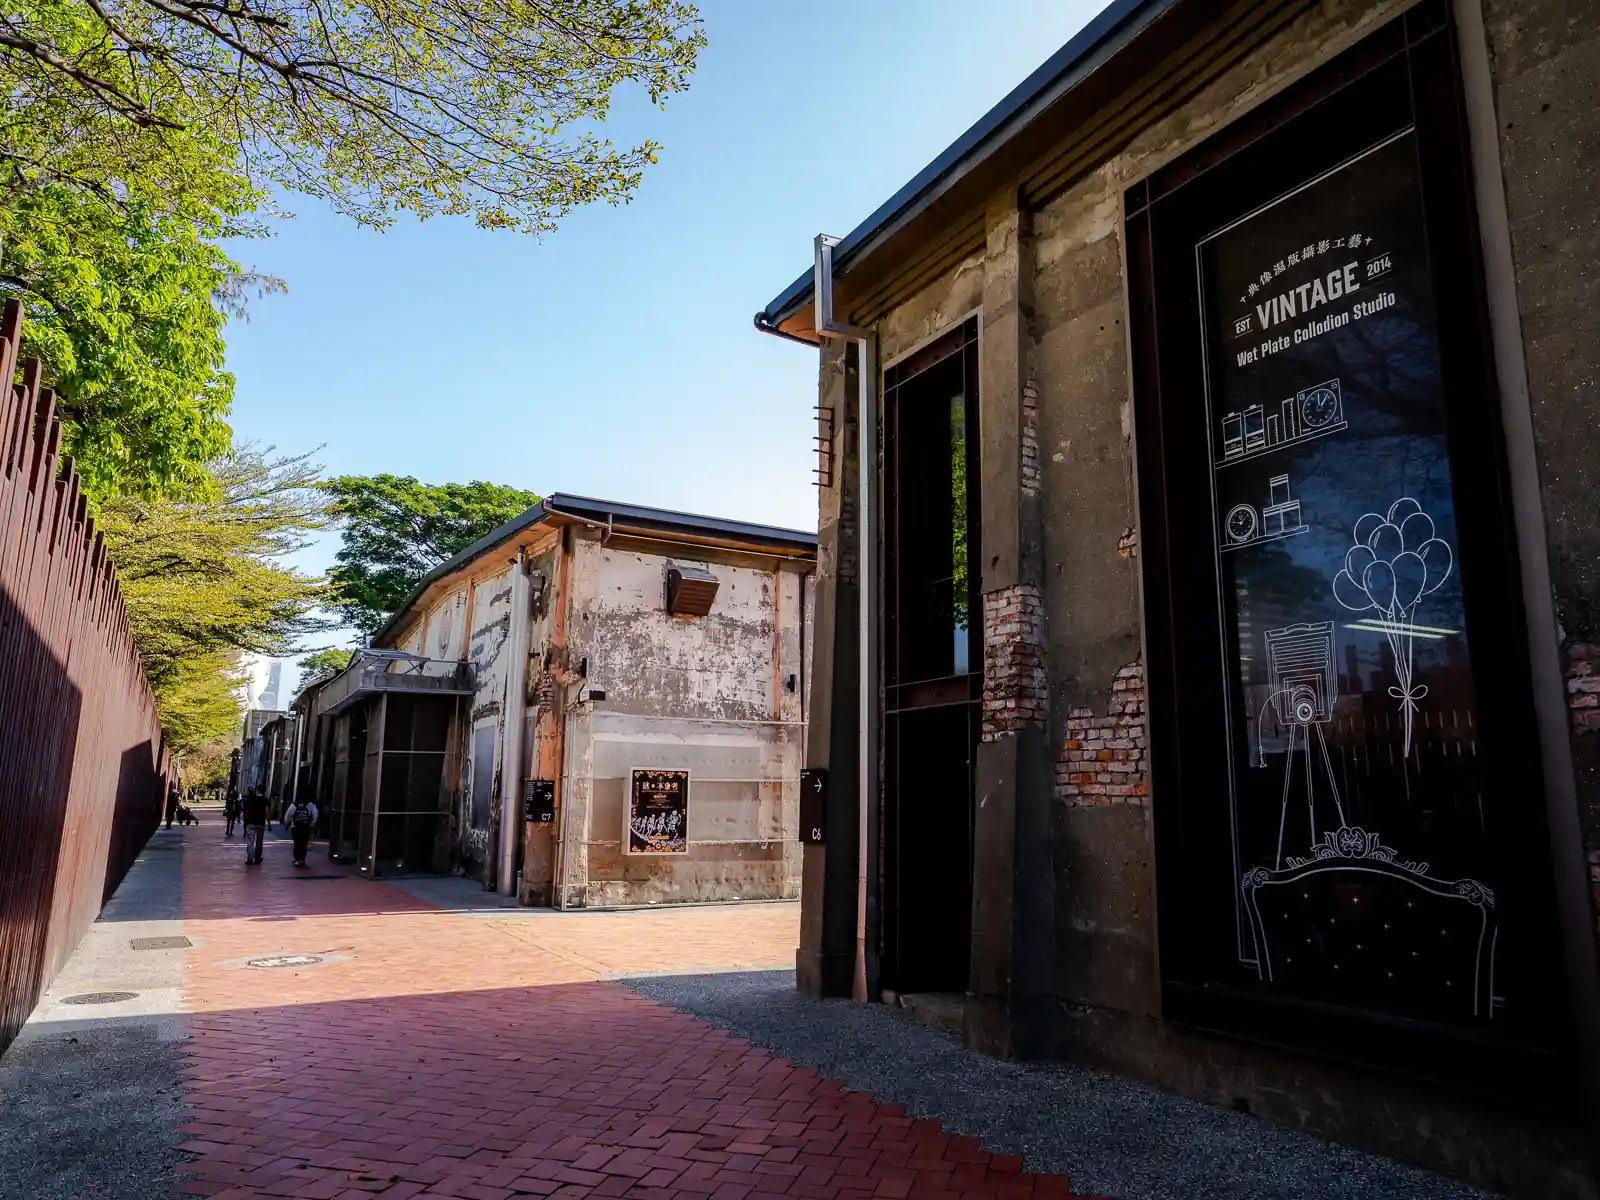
x=1030, y=439
x=1015, y=694
x=1105, y=758
x=1583, y=687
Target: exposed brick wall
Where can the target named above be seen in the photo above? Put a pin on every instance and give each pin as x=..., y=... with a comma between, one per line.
x=1030, y=439
x=1014, y=690
x=1583, y=687
x=1105, y=758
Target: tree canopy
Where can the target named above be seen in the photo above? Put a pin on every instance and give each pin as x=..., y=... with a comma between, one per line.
x=396, y=529
x=126, y=307
x=480, y=107
x=206, y=582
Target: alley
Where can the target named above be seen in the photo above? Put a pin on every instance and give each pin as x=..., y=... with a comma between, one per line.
x=348, y=1038
x=272, y=1033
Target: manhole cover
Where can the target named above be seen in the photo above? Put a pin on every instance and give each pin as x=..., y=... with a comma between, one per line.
x=286, y=960
x=99, y=998
x=160, y=943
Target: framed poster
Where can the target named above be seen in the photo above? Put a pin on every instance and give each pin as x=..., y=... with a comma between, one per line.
x=658, y=812
x=1351, y=848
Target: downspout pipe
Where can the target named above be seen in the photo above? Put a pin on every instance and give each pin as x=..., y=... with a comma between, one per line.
x=866, y=343
x=516, y=708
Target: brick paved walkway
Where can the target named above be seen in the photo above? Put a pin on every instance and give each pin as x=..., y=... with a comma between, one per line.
x=485, y=1056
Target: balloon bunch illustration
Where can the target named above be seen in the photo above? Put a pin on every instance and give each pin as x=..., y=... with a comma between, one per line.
x=1397, y=559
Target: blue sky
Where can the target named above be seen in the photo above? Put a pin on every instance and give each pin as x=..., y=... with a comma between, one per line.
x=616, y=357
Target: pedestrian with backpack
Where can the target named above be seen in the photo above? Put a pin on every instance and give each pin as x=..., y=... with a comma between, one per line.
x=302, y=819
x=230, y=811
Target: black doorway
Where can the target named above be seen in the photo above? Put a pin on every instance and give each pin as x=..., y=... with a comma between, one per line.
x=933, y=662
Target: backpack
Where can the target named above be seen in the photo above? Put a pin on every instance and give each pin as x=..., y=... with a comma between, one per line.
x=302, y=816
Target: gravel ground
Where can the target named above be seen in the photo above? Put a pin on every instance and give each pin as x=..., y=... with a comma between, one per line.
x=91, y=1097
x=1111, y=1136
x=90, y=1115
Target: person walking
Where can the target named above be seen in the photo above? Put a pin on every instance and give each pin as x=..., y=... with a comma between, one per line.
x=301, y=819
x=230, y=811
x=255, y=826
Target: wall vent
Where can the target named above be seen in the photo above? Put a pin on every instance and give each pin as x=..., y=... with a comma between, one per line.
x=690, y=591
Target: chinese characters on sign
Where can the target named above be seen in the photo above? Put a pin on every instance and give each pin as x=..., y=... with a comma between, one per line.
x=1363, y=871
x=658, y=813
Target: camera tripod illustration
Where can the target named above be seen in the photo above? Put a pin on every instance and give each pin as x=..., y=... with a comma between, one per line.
x=1304, y=687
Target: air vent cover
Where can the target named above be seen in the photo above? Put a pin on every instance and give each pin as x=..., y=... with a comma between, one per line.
x=690, y=591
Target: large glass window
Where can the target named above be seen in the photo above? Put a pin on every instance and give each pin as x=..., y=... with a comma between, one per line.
x=1365, y=869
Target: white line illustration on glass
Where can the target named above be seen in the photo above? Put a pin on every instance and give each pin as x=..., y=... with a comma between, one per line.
x=1312, y=413
x=1244, y=526
x=1304, y=686
x=1304, y=689
x=1395, y=562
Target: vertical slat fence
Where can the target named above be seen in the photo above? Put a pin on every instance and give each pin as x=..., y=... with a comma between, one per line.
x=83, y=768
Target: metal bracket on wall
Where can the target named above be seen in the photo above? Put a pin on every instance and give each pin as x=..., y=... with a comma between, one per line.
x=824, y=440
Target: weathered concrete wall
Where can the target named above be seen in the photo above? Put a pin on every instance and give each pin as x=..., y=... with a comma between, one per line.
x=1545, y=66
x=709, y=694
x=488, y=646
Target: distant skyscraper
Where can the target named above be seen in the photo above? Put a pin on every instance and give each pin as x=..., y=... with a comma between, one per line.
x=269, y=697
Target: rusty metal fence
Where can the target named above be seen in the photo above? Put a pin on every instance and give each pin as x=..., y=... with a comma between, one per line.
x=83, y=768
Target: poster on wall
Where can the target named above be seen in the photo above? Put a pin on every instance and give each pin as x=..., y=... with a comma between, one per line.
x=658, y=812
x=1363, y=869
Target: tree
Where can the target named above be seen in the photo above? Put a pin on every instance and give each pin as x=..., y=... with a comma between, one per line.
x=205, y=582
x=323, y=664
x=126, y=307
x=396, y=529
x=484, y=107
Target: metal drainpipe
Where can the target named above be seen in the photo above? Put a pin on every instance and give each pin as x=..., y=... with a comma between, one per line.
x=516, y=705
x=866, y=575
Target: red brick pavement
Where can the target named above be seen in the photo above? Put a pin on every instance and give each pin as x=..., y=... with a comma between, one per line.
x=322, y=1084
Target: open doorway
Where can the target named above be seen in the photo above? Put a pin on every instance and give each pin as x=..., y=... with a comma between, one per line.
x=933, y=662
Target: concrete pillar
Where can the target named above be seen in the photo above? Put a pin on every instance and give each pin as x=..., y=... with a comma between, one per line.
x=1009, y=1010
x=825, y=959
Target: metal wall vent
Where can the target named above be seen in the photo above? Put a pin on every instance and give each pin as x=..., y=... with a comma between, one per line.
x=690, y=591
x=160, y=943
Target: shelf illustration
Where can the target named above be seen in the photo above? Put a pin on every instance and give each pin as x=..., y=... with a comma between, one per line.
x=1244, y=526
x=1312, y=413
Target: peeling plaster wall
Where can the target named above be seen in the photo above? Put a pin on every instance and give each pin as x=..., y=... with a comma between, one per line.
x=708, y=694
x=488, y=653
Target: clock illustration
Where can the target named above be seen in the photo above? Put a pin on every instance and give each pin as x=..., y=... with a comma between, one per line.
x=1240, y=523
x=1320, y=406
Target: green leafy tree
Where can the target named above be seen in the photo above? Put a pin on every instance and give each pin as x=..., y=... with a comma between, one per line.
x=396, y=529
x=126, y=307
x=323, y=664
x=480, y=107
x=206, y=582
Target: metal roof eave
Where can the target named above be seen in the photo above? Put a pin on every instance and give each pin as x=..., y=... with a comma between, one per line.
x=1107, y=32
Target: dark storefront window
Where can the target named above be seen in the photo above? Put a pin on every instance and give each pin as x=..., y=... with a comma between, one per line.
x=1350, y=836
x=1356, y=802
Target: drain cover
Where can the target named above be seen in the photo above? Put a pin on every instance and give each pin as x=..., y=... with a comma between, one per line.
x=99, y=997
x=286, y=960
x=160, y=943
